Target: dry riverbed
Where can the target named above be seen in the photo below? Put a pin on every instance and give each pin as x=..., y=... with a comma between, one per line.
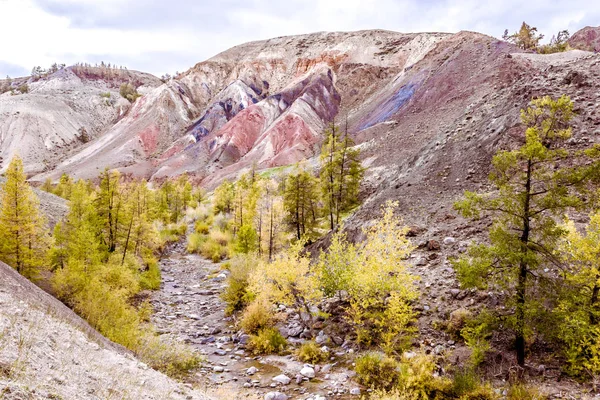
x=188, y=307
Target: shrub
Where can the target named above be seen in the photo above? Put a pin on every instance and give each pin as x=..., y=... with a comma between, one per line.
x=105, y=95
x=458, y=320
x=24, y=88
x=267, y=341
x=476, y=338
x=521, y=391
x=195, y=242
x=201, y=227
x=128, y=91
x=416, y=377
x=236, y=294
x=464, y=381
x=377, y=371
x=213, y=250
x=170, y=357
x=256, y=317
x=310, y=352
x=150, y=278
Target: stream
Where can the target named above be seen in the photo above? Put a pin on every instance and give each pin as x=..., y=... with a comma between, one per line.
x=188, y=307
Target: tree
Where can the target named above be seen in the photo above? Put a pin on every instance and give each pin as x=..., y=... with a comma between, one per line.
x=300, y=195
x=223, y=198
x=109, y=205
x=24, y=238
x=341, y=173
x=535, y=184
x=526, y=38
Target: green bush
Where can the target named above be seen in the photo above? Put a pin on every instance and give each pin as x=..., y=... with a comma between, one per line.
x=105, y=95
x=236, y=294
x=150, y=278
x=267, y=341
x=377, y=371
x=257, y=316
x=310, y=352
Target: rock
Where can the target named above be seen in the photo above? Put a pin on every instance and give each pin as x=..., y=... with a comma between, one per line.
x=247, y=385
x=355, y=391
x=421, y=261
x=276, y=396
x=439, y=349
x=433, y=245
x=218, y=369
x=308, y=371
x=321, y=338
x=454, y=292
x=283, y=379
x=220, y=277
x=449, y=240
x=299, y=379
x=251, y=371
x=295, y=331
x=243, y=339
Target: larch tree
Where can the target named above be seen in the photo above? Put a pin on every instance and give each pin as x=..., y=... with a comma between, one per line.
x=24, y=238
x=535, y=185
x=300, y=197
x=341, y=173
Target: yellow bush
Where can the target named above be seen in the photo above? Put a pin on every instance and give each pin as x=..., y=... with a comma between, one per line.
x=213, y=250
x=257, y=316
x=201, y=227
x=221, y=237
x=377, y=371
x=236, y=294
x=150, y=278
x=521, y=391
x=310, y=352
x=267, y=341
x=195, y=242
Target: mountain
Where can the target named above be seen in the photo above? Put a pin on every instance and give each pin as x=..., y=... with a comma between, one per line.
x=587, y=39
x=62, y=111
x=428, y=111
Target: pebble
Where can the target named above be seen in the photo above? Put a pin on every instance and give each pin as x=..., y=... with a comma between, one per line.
x=307, y=371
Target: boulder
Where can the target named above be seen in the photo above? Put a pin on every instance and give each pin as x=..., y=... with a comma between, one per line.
x=283, y=379
x=307, y=371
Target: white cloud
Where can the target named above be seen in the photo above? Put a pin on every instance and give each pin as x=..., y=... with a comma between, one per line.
x=159, y=36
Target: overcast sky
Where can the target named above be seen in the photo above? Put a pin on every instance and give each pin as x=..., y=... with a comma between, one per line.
x=161, y=36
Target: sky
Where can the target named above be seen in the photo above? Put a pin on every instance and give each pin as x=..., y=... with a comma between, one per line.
x=160, y=36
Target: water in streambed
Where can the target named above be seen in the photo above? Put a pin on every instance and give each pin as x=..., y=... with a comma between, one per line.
x=188, y=307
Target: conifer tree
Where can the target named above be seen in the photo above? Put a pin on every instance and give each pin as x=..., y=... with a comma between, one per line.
x=300, y=195
x=341, y=173
x=24, y=238
x=109, y=203
x=535, y=184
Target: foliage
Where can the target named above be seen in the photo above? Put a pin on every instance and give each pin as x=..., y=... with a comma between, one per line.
x=223, y=198
x=379, y=287
x=267, y=341
x=340, y=175
x=24, y=88
x=521, y=391
x=287, y=280
x=257, y=316
x=300, y=197
x=310, y=352
x=535, y=184
x=129, y=92
x=236, y=294
x=558, y=43
x=377, y=371
x=247, y=240
x=336, y=266
x=24, y=238
x=526, y=38
x=168, y=356
x=476, y=338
